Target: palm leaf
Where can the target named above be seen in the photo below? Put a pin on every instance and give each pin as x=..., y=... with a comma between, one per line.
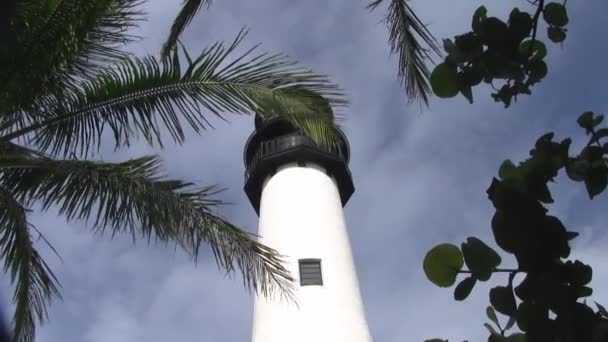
x=52, y=44
x=133, y=198
x=405, y=32
x=36, y=284
x=184, y=17
x=141, y=96
x=7, y=12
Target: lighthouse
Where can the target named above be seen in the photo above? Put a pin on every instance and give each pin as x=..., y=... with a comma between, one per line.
x=298, y=189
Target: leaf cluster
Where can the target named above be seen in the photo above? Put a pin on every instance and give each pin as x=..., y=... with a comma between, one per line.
x=495, y=50
x=546, y=303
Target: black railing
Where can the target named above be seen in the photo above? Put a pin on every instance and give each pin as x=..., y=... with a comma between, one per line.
x=285, y=143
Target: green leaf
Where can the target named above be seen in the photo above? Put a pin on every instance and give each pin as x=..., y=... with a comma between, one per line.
x=535, y=49
x=502, y=299
x=507, y=170
x=517, y=337
x=525, y=315
x=601, y=310
x=159, y=98
x=478, y=17
x=538, y=70
x=572, y=235
x=556, y=34
x=504, y=235
x=133, y=198
x=469, y=45
x=410, y=40
x=444, y=80
x=493, y=31
x=510, y=323
x=35, y=285
x=601, y=133
x=520, y=24
x=577, y=169
x=584, y=291
x=467, y=92
x=442, y=264
x=555, y=14
x=586, y=121
x=596, y=181
x=480, y=258
x=448, y=45
x=581, y=273
x=472, y=75
x=188, y=11
x=598, y=120
x=464, y=288
x=492, y=315
x=491, y=329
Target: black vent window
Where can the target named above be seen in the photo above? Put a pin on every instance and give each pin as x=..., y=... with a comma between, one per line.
x=310, y=272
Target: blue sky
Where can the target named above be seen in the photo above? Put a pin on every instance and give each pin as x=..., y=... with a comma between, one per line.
x=420, y=179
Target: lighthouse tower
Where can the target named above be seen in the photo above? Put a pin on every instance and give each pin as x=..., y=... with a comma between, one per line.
x=298, y=189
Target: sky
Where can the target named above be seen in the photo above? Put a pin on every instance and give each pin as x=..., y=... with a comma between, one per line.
x=420, y=178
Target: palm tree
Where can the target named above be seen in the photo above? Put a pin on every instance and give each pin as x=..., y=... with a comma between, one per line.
x=409, y=39
x=65, y=83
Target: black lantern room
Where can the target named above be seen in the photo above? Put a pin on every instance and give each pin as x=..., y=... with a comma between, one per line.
x=276, y=142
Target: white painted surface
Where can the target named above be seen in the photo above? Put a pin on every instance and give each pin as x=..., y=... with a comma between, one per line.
x=301, y=216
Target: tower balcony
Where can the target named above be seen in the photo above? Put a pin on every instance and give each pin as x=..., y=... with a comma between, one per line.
x=276, y=143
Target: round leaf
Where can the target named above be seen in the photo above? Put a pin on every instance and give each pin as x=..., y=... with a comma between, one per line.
x=442, y=264
x=538, y=70
x=493, y=31
x=555, y=14
x=464, y=288
x=492, y=315
x=444, y=80
x=577, y=169
x=585, y=120
x=470, y=45
x=472, y=75
x=556, y=34
x=507, y=169
x=503, y=300
x=520, y=24
x=480, y=258
x=535, y=49
x=596, y=181
x=478, y=17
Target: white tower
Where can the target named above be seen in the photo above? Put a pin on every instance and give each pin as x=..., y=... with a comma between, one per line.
x=298, y=189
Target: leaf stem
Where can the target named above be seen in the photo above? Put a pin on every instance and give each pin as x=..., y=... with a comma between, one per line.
x=498, y=270
x=539, y=10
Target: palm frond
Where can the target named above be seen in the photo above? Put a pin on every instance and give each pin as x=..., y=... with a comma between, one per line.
x=36, y=284
x=133, y=198
x=7, y=12
x=405, y=32
x=184, y=17
x=139, y=96
x=54, y=43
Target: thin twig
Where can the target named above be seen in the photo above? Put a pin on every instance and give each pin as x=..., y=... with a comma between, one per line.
x=539, y=10
x=497, y=270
